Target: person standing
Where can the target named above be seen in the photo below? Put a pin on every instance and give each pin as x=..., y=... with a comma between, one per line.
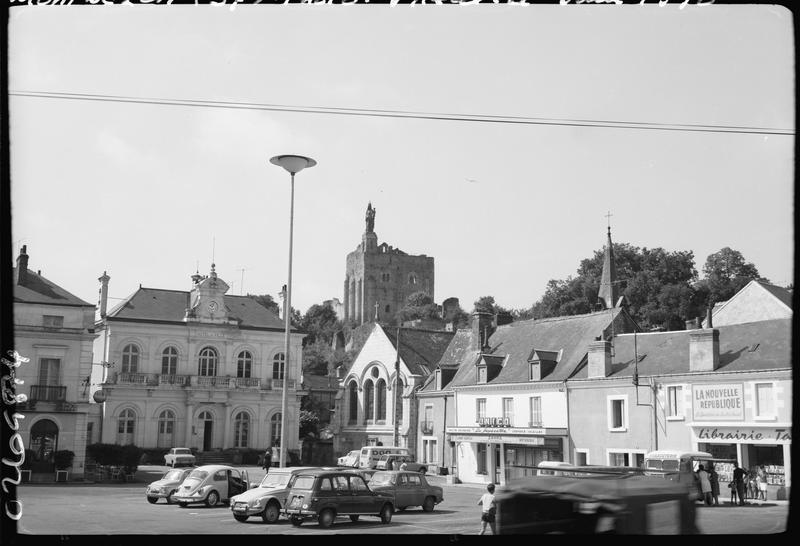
x=738, y=482
x=705, y=484
x=267, y=459
x=488, y=510
x=713, y=477
x=761, y=481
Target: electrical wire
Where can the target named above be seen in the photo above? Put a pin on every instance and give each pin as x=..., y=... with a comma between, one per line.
x=434, y=116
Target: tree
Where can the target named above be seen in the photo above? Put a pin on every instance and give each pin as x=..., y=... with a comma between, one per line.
x=267, y=301
x=486, y=304
x=320, y=322
x=309, y=422
x=418, y=305
x=726, y=272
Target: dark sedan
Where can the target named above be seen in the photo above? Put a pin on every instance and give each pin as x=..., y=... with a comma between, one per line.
x=407, y=489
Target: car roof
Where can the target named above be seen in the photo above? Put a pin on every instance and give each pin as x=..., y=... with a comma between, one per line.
x=215, y=467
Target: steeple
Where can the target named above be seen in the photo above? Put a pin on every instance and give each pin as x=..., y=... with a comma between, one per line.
x=609, y=292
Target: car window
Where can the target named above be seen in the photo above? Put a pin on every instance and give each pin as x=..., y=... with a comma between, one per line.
x=220, y=476
x=340, y=484
x=272, y=480
x=413, y=480
x=401, y=479
x=183, y=452
x=325, y=484
x=381, y=478
x=199, y=474
x=173, y=475
x=357, y=484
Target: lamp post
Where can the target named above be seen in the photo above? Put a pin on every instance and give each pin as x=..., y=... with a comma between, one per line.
x=293, y=164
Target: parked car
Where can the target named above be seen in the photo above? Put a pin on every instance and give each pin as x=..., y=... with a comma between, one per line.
x=167, y=485
x=349, y=460
x=407, y=488
x=400, y=462
x=324, y=494
x=180, y=456
x=365, y=473
x=211, y=484
x=268, y=498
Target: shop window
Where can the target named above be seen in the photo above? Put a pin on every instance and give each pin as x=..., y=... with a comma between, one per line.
x=481, y=459
x=765, y=406
x=675, y=402
x=618, y=458
x=617, y=413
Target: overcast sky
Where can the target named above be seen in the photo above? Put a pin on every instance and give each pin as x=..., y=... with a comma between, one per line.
x=147, y=192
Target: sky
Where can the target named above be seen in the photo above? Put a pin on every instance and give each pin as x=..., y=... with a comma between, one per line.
x=153, y=191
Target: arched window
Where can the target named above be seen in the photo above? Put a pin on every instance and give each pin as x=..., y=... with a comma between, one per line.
x=125, y=427
x=353, y=416
x=278, y=366
x=130, y=358
x=275, y=430
x=166, y=428
x=44, y=441
x=169, y=361
x=207, y=363
x=380, y=394
x=241, y=429
x=369, y=400
x=244, y=364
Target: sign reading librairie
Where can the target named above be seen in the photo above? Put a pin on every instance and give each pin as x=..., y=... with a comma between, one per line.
x=718, y=402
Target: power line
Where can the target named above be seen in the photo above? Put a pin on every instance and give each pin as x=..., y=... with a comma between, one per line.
x=481, y=118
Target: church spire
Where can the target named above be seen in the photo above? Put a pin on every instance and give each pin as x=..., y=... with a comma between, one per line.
x=609, y=292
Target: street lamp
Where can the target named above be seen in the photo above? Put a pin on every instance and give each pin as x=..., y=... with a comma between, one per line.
x=293, y=164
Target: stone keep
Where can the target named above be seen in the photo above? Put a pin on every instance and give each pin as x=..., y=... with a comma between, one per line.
x=382, y=275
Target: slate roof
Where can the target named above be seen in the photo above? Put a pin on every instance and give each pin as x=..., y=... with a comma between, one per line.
x=155, y=304
x=457, y=352
x=572, y=335
x=38, y=289
x=420, y=350
x=668, y=352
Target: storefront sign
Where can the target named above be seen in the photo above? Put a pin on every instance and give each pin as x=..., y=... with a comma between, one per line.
x=718, y=402
x=531, y=440
x=745, y=434
x=510, y=430
x=494, y=422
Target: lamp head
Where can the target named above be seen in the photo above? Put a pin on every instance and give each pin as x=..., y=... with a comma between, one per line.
x=293, y=163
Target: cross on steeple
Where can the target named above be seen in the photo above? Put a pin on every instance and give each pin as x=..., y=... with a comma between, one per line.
x=608, y=218
x=376, y=311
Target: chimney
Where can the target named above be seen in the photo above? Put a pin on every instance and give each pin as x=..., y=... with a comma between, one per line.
x=599, y=359
x=693, y=324
x=22, y=266
x=704, y=350
x=482, y=329
x=103, y=294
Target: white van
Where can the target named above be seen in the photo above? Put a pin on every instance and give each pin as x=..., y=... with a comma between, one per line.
x=370, y=454
x=552, y=468
x=679, y=466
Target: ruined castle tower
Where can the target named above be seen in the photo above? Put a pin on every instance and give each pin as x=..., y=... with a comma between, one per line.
x=379, y=278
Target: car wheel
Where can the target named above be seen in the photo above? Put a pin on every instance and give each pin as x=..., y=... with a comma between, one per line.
x=429, y=503
x=271, y=513
x=296, y=521
x=326, y=518
x=152, y=500
x=354, y=517
x=182, y=504
x=386, y=513
x=170, y=500
x=240, y=518
x=212, y=499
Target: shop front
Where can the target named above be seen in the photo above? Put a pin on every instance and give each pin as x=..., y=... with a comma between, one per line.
x=752, y=447
x=499, y=455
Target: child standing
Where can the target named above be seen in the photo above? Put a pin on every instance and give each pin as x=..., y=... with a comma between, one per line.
x=489, y=509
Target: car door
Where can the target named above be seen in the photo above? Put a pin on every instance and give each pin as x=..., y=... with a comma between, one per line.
x=402, y=494
x=363, y=500
x=344, y=498
x=414, y=488
x=220, y=480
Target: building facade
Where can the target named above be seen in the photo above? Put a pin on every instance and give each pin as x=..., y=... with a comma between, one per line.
x=379, y=278
x=201, y=369
x=376, y=403
x=54, y=330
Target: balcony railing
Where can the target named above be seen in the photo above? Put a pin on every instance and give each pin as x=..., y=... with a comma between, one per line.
x=48, y=393
x=135, y=378
x=172, y=379
x=427, y=427
x=248, y=382
x=212, y=381
x=277, y=384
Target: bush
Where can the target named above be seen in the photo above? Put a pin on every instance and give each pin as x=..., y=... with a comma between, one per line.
x=63, y=459
x=29, y=458
x=105, y=454
x=130, y=455
x=153, y=455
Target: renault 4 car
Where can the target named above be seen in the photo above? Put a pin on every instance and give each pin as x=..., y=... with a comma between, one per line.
x=324, y=495
x=268, y=498
x=167, y=486
x=407, y=489
x=178, y=456
x=211, y=484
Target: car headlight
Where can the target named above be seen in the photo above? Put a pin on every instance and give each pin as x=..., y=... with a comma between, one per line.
x=305, y=506
x=258, y=503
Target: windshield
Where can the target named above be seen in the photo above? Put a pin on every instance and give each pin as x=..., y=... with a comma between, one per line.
x=275, y=480
x=656, y=464
x=183, y=452
x=303, y=482
x=198, y=474
x=173, y=475
x=381, y=478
